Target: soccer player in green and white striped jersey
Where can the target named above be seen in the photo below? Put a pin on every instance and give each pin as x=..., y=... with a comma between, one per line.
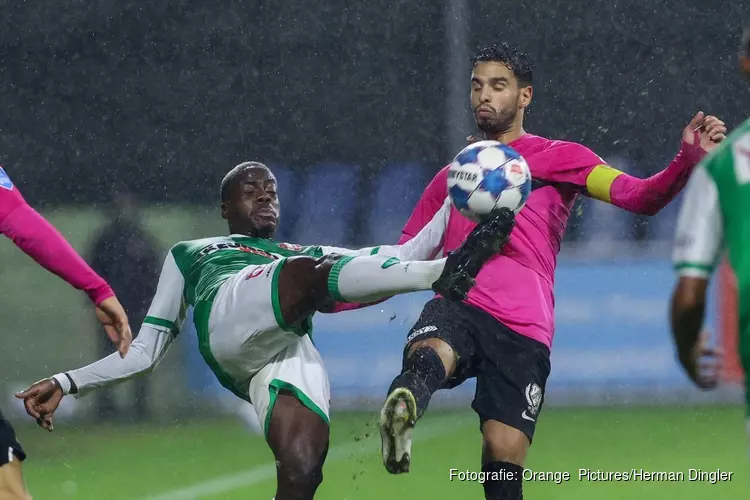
x=253, y=301
x=715, y=217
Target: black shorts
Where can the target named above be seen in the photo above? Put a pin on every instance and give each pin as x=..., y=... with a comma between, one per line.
x=8, y=444
x=511, y=370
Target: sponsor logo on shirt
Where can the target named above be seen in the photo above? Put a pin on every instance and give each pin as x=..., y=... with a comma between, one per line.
x=217, y=247
x=290, y=246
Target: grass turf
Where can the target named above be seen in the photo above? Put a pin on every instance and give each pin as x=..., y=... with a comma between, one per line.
x=155, y=461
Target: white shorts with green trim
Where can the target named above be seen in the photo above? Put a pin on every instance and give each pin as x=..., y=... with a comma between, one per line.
x=251, y=346
x=299, y=370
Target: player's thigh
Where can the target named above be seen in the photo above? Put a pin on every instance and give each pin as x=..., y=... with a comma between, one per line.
x=245, y=328
x=297, y=371
x=12, y=486
x=510, y=391
x=443, y=326
x=298, y=438
x=303, y=287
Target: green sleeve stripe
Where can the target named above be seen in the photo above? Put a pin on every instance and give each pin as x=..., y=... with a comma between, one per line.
x=693, y=265
x=315, y=252
x=161, y=322
x=333, y=278
x=374, y=251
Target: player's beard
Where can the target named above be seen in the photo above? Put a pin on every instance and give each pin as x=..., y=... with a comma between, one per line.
x=500, y=122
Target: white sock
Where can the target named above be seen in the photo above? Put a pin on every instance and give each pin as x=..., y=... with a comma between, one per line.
x=367, y=279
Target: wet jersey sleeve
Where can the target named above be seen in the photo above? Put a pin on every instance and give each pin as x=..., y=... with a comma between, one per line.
x=157, y=333
x=168, y=307
x=581, y=167
x=698, y=241
x=33, y=234
x=426, y=245
x=432, y=200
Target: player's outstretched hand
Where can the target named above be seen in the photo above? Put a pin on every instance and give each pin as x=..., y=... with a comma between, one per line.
x=41, y=400
x=704, y=363
x=115, y=322
x=704, y=131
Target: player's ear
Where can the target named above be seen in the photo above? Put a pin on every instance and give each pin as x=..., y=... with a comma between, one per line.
x=224, y=211
x=526, y=94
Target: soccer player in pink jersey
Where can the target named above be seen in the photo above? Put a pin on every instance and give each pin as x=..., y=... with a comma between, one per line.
x=503, y=332
x=41, y=241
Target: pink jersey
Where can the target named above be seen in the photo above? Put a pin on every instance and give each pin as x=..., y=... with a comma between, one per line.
x=42, y=242
x=517, y=286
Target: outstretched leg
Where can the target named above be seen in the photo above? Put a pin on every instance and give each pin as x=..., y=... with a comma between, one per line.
x=426, y=367
x=435, y=344
x=307, y=285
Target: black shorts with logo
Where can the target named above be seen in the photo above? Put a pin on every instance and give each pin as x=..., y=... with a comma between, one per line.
x=511, y=370
x=9, y=446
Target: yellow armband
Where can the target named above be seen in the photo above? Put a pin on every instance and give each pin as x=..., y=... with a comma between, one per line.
x=599, y=182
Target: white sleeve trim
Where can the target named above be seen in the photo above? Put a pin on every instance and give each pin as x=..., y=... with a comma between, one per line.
x=699, y=235
x=688, y=271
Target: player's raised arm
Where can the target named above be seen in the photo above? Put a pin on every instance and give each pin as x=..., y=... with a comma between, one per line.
x=698, y=244
x=648, y=196
x=33, y=234
x=425, y=245
x=429, y=203
x=159, y=329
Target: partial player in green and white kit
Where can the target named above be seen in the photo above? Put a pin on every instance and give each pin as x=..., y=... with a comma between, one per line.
x=714, y=219
x=253, y=301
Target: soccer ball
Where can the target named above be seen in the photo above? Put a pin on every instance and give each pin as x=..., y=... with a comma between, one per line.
x=487, y=175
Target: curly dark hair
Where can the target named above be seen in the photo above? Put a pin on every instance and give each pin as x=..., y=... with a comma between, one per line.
x=517, y=61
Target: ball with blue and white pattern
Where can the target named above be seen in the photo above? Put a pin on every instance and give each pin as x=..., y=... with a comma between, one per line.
x=487, y=175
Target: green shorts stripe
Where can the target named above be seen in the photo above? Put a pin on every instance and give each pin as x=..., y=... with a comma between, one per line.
x=273, y=392
x=201, y=314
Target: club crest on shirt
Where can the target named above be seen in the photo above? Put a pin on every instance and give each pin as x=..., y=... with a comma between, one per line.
x=5, y=181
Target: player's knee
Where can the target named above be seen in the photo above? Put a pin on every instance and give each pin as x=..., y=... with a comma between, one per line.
x=443, y=350
x=502, y=443
x=300, y=475
x=301, y=467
